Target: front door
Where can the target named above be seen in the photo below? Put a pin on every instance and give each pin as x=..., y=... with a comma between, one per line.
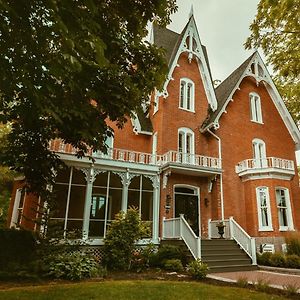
x=187, y=203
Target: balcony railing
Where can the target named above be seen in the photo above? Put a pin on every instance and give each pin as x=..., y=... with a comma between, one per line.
x=268, y=163
x=144, y=158
x=191, y=159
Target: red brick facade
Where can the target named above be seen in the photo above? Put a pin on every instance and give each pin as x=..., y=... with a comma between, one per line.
x=236, y=132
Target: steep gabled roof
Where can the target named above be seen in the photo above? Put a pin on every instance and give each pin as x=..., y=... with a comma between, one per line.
x=224, y=90
x=175, y=44
x=253, y=67
x=166, y=39
x=170, y=41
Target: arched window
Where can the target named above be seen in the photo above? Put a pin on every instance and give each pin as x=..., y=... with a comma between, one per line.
x=186, y=145
x=259, y=153
x=187, y=94
x=255, y=107
x=263, y=209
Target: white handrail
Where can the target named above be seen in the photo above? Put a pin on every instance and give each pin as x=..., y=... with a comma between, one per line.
x=179, y=228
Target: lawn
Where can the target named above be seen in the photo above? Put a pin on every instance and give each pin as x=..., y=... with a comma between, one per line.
x=131, y=290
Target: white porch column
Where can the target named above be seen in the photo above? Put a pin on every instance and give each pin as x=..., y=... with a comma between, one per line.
x=125, y=179
x=90, y=176
x=155, y=213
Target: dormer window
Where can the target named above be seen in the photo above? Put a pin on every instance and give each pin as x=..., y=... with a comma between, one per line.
x=255, y=106
x=187, y=94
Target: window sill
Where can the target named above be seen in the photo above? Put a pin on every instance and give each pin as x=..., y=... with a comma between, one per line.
x=257, y=122
x=286, y=229
x=265, y=229
x=185, y=109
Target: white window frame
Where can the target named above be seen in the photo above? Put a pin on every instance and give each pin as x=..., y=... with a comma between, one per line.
x=262, y=227
x=17, y=211
x=255, y=108
x=183, y=95
x=290, y=223
x=154, y=147
x=155, y=102
x=259, y=154
x=186, y=155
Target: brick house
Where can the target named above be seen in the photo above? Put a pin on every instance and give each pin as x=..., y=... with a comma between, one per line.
x=198, y=156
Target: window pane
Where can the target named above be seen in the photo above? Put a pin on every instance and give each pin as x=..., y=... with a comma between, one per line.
x=182, y=88
x=188, y=101
x=180, y=142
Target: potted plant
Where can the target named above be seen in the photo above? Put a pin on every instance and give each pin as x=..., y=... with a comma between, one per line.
x=221, y=229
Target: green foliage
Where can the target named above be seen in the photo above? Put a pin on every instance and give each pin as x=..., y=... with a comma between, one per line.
x=6, y=179
x=141, y=257
x=262, y=285
x=277, y=260
x=293, y=244
x=242, y=282
x=17, y=250
x=276, y=30
x=264, y=259
x=55, y=56
x=167, y=252
x=291, y=289
x=292, y=261
x=197, y=269
x=119, y=244
x=73, y=266
x=173, y=265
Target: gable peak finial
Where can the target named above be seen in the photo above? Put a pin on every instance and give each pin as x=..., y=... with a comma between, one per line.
x=191, y=11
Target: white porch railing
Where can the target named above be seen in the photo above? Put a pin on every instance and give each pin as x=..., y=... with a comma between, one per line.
x=178, y=228
x=268, y=162
x=141, y=157
x=234, y=231
x=191, y=159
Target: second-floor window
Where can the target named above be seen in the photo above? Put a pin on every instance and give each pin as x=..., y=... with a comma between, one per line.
x=255, y=108
x=187, y=94
x=259, y=153
x=186, y=147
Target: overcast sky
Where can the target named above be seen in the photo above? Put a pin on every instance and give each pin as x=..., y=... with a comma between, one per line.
x=223, y=27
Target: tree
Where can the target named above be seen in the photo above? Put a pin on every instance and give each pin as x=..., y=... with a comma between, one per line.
x=276, y=29
x=66, y=67
x=6, y=179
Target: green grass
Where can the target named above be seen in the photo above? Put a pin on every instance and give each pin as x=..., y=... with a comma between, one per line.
x=132, y=290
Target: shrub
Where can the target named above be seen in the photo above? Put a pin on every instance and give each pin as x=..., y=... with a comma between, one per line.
x=264, y=259
x=141, y=259
x=119, y=244
x=293, y=244
x=277, y=260
x=73, y=266
x=173, y=265
x=17, y=250
x=292, y=261
x=166, y=252
x=197, y=269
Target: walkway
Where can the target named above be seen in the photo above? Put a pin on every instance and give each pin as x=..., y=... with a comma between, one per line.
x=276, y=280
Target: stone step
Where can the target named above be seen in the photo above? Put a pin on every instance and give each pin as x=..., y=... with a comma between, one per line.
x=229, y=255
x=227, y=262
x=232, y=268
